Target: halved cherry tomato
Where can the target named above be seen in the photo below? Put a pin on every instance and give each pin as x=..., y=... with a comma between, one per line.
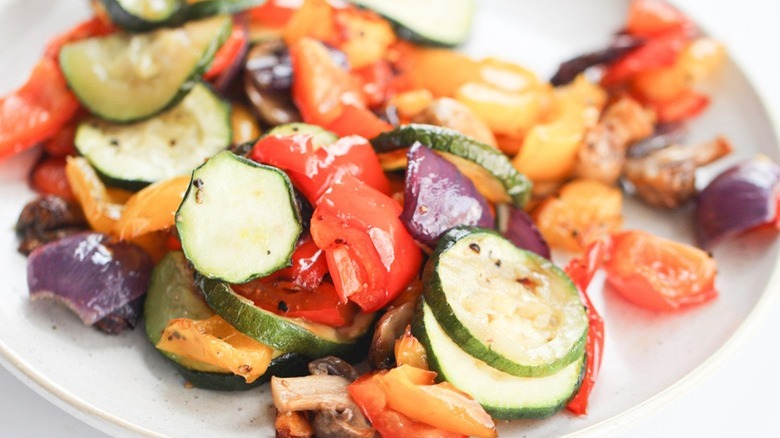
x=320, y=87
x=48, y=177
x=312, y=170
x=371, y=256
x=37, y=110
x=322, y=304
x=371, y=399
x=660, y=274
x=229, y=52
x=581, y=271
x=650, y=17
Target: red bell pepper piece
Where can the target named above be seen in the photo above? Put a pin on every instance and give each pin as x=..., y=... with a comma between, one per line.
x=378, y=81
x=48, y=177
x=651, y=17
x=685, y=106
x=308, y=266
x=321, y=305
x=271, y=14
x=92, y=27
x=371, y=399
x=37, y=110
x=312, y=170
x=659, y=51
x=233, y=48
x=355, y=120
x=581, y=271
x=371, y=256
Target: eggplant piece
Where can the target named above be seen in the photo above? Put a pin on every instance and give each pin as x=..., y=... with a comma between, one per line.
x=46, y=219
x=268, y=83
x=741, y=198
x=438, y=196
x=91, y=275
x=268, y=79
x=518, y=227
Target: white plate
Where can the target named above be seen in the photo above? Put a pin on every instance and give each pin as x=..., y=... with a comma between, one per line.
x=120, y=384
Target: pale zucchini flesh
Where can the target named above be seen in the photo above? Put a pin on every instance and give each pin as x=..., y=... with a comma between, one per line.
x=434, y=22
x=509, y=307
x=238, y=219
x=170, y=144
x=124, y=77
x=503, y=395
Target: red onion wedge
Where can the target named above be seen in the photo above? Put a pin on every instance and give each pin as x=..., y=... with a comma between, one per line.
x=741, y=198
x=438, y=197
x=91, y=275
x=517, y=226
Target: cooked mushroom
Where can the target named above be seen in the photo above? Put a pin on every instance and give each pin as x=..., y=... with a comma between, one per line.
x=47, y=219
x=603, y=152
x=667, y=177
x=336, y=415
x=389, y=328
x=333, y=366
x=450, y=113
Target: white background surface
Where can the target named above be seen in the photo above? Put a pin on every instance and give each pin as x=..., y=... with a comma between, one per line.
x=738, y=398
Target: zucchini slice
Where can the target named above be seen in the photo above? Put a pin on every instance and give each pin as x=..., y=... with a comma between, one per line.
x=510, y=308
x=283, y=333
x=503, y=396
x=444, y=23
x=205, y=8
x=126, y=77
x=173, y=294
x=172, y=143
x=239, y=219
x=490, y=170
x=142, y=15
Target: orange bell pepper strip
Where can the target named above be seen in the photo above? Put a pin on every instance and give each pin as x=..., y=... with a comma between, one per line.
x=371, y=399
x=100, y=210
x=412, y=392
x=153, y=208
x=320, y=87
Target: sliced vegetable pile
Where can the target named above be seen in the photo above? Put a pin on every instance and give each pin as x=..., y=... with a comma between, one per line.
x=400, y=207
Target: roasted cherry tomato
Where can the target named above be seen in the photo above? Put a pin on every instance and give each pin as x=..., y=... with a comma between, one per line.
x=660, y=274
x=371, y=256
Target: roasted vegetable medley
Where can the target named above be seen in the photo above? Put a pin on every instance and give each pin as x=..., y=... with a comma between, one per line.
x=329, y=197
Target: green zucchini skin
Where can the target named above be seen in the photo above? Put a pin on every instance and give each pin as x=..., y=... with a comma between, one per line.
x=286, y=334
x=449, y=141
x=129, y=91
x=205, y=8
x=179, y=139
x=286, y=365
x=442, y=23
x=320, y=136
x=444, y=300
x=504, y=397
x=258, y=235
x=137, y=21
x=173, y=294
